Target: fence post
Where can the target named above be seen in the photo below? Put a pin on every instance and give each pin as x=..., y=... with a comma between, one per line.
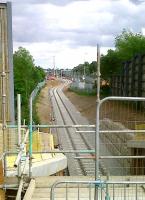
x=97, y=123
x=133, y=77
x=30, y=138
x=140, y=72
x=19, y=128
x=32, y=96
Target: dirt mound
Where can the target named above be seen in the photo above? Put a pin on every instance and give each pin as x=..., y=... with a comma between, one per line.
x=43, y=105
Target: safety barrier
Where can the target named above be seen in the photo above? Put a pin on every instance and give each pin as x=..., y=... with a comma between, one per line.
x=105, y=190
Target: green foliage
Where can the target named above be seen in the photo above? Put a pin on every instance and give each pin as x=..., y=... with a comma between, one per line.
x=105, y=91
x=85, y=68
x=110, y=63
x=92, y=67
x=26, y=77
x=127, y=45
x=35, y=113
x=83, y=92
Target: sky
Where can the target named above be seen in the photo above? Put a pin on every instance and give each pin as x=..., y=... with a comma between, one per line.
x=65, y=33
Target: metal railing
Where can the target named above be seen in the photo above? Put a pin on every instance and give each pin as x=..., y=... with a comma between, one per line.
x=32, y=96
x=126, y=190
x=36, y=90
x=118, y=157
x=97, y=155
x=106, y=190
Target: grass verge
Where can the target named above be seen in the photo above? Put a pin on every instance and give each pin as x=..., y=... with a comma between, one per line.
x=83, y=92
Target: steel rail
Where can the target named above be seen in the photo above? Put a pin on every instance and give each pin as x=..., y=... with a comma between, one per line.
x=73, y=118
x=75, y=122
x=71, y=140
x=81, y=134
x=86, y=139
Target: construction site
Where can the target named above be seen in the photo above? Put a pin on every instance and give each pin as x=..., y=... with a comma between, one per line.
x=85, y=147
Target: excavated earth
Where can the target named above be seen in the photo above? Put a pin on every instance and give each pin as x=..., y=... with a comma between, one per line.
x=124, y=113
x=85, y=104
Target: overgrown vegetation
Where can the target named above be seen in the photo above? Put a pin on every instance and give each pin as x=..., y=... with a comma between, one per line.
x=26, y=78
x=36, y=118
x=83, y=92
x=127, y=45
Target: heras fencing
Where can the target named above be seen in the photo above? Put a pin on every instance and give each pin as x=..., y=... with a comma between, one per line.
x=121, y=173
x=106, y=190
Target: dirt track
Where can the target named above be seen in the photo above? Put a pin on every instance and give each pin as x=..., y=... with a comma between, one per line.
x=43, y=105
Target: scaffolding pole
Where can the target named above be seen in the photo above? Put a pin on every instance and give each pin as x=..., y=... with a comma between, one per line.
x=97, y=122
x=30, y=137
x=3, y=81
x=19, y=129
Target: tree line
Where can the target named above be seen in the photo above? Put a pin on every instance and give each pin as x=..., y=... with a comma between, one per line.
x=26, y=78
x=127, y=45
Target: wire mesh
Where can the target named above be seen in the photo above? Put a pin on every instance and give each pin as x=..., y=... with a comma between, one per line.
x=124, y=116
x=81, y=191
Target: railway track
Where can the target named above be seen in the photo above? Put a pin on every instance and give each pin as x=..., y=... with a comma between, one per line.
x=69, y=139
x=65, y=113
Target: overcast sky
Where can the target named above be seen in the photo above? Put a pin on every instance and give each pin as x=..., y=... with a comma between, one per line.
x=70, y=29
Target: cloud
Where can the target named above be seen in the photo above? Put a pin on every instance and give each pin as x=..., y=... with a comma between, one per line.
x=49, y=23
x=137, y=1
x=54, y=2
x=73, y=24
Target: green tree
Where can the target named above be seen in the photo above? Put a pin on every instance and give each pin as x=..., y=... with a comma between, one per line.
x=110, y=64
x=26, y=77
x=129, y=44
x=92, y=67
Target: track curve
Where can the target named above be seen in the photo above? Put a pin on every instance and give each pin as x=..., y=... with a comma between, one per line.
x=65, y=113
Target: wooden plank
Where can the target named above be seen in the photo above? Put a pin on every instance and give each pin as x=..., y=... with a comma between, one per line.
x=30, y=190
x=61, y=193
x=47, y=182
x=2, y=194
x=35, y=198
x=11, y=180
x=18, y=197
x=1, y=140
x=1, y=173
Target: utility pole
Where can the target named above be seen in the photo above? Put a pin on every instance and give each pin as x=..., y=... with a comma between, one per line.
x=61, y=73
x=54, y=65
x=97, y=135
x=84, y=76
